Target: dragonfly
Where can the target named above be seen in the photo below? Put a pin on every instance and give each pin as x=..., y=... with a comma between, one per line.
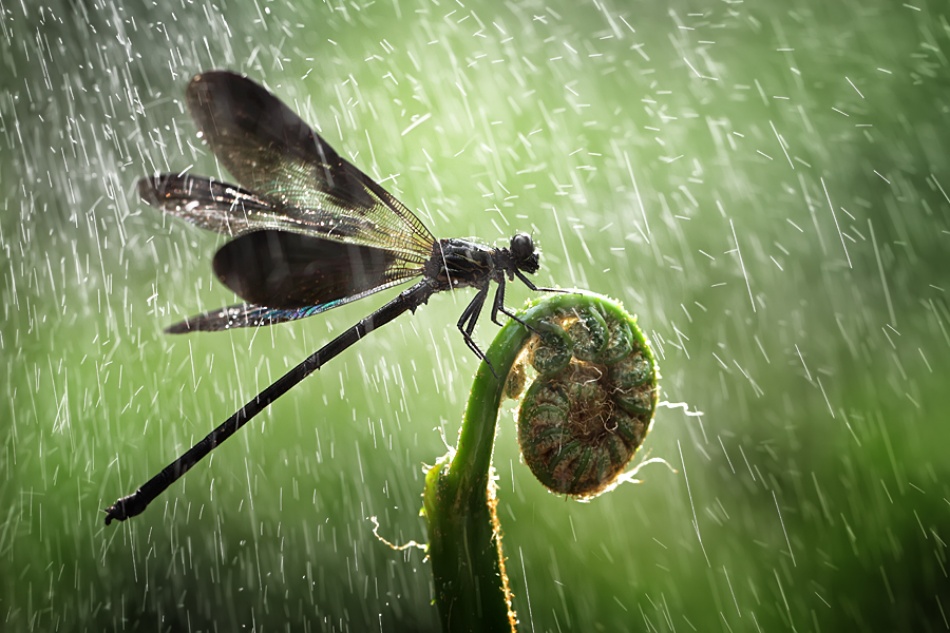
x=310, y=232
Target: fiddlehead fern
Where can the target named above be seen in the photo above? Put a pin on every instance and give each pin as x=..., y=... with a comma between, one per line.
x=587, y=413
x=580, y=424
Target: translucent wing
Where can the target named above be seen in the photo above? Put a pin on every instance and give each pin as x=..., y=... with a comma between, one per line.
x=231, y=210
x=276, y=155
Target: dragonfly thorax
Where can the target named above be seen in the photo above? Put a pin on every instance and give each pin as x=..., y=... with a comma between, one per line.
x=460, y=263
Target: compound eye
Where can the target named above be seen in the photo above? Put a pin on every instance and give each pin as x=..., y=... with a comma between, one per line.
x=522, y=245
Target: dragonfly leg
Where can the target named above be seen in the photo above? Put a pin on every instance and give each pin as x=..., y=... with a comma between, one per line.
x=466, y=323
x=531, y=285
x=499, y=306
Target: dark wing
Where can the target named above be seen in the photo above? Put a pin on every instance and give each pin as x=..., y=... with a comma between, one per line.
x=272, y=152
x=278, y=269
x=287, y=276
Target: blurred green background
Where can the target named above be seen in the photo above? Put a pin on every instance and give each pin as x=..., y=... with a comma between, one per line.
x=766, y=185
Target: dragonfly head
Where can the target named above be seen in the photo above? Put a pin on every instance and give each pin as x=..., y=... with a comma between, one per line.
x=523, y=254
